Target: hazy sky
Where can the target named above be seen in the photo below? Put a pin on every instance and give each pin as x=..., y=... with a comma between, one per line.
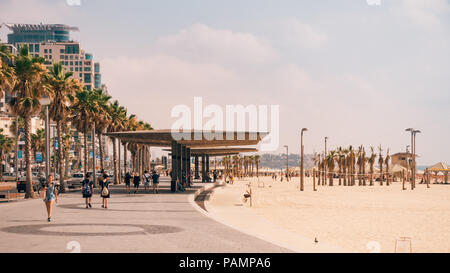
x=357, y=73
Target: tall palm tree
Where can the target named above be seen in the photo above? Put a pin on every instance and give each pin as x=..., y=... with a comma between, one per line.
x=386, y=162
x=102, y=119
x=27, y=90
x=340, y=161
x=351, y=166
x=6, y=146
x=363, y=166
x=344, y=165
x=257, y=161
x=38, y=141
x=117, y=114
x=62, y=89
x=82, y=117
x=380, y=162
x=371, y=161
x=330, y=161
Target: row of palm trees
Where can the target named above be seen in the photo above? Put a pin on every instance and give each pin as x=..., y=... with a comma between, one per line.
x=241, y=165
x=71, y=107
x=351, y=165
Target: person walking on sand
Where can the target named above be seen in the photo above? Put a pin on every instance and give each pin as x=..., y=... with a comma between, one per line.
x=128, y=181
x=104, y=193
x=51, y=194
x=136, y=182
x=88, y=189
x=147, y=178
x=155, y=178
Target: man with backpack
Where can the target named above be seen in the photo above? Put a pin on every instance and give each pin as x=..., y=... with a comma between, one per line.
x=87, y=189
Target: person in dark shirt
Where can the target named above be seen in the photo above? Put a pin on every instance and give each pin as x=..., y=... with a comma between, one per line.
x=104, y=193
x=88, y=189
x=128, y=181
x=155, y=178
x=136, y=181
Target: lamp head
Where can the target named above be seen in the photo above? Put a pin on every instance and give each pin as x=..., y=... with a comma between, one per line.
x=304, y=129
x=409, y=130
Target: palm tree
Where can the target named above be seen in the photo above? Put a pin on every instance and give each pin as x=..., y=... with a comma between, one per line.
x=344, y=165
x=102, y=119
x=62, y=89
x=371, y=161
x=380, y=162
x=257, y=161
x=27, y=90
x=38, y=141
x=351, y=166
x=386, y=162
x=82, y=117
x=117, y=114
x=7, y=75
x=363, y=166
x=340, y=161
x=6, y=146
x=330, y=161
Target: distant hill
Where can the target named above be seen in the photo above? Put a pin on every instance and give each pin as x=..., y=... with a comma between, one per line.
x=279, y=161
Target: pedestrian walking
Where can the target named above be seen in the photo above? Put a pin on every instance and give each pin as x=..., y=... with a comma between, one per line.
x=128, y=181
x=88, y=189
x=51, y=195
x=155, y=178
x=147, y=178
x=136, y=181
x=105, y=193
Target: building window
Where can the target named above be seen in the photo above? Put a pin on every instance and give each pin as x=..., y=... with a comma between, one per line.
x=45, y=51
x=71, y=63
x=61, y=57
x=36, y=48
x=50, y=50
x=61, y=50
x=50, y=57
x=76, y=68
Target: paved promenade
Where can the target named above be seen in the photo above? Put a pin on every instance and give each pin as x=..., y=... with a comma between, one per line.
x=142, y=222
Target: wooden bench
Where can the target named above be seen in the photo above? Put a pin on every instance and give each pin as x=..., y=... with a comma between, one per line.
x=8, y=195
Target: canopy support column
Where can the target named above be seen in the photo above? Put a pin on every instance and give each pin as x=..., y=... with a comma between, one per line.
x=197, y=176
x=203, y=168
x=173, y=181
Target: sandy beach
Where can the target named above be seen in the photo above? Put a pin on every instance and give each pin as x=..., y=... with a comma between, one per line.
x=349, y=219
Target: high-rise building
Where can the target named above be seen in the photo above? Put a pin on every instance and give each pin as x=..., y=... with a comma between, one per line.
x=53, y=43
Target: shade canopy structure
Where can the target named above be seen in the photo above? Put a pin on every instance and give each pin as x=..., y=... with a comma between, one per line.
x=219, y=151
x=190, y=138
x=186, y=144
x=439, y=167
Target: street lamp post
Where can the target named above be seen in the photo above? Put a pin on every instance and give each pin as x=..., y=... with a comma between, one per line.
x=301, y=160
x=414, y=156
x=93, y=153
x=287, y=162
x=325, y=164
x=45, y=101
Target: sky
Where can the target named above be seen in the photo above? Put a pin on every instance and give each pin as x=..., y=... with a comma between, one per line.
x=356, y=71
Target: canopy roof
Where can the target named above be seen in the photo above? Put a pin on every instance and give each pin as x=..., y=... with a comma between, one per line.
x=219, y=151
x=439, y=167
x=190, y=138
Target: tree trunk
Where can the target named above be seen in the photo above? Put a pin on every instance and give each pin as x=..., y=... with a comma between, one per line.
x=116, y=174
x=125, y=157
x=62, y=184
x=29, y=186
x=100, y=147
x=85, y=150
